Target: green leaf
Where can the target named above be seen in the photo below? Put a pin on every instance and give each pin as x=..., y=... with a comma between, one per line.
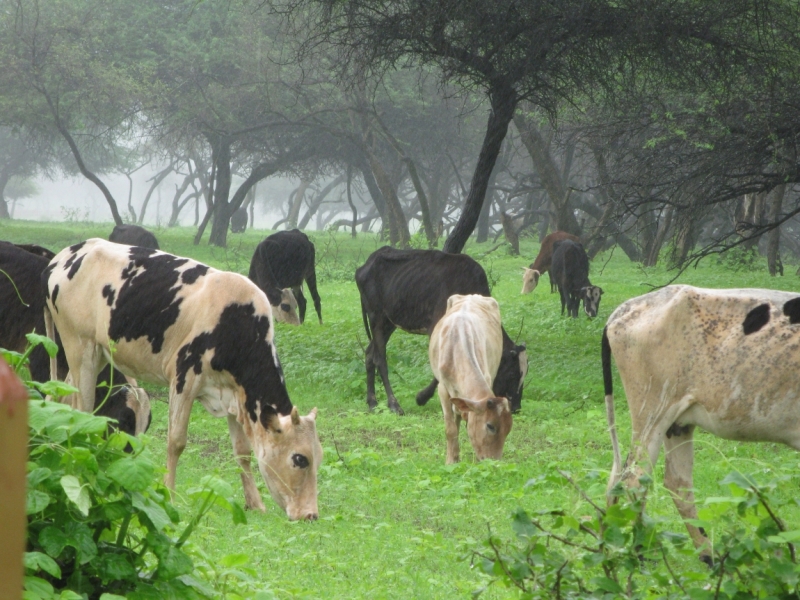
x=238, y=514
x=78, y=493
x=50, y=346
x=115, y=567
x=37, y=561
x=607, y=585
x=155, y=513
x=79, y=536
x=744, y=482
x=174, y=562
x=522, y=525
x=39, y=587
x=107, y=596
x=55, y=388
x=134, y=473
x=234, y=560
x=36, y=501
x=53, y=540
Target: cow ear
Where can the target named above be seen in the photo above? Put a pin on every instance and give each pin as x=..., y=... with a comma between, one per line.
x=465, y=406
x=536, y=276
x=313, y=414
x=600, y=290
x=295, y=416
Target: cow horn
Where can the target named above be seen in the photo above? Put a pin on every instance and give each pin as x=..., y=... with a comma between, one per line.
x=295, y=416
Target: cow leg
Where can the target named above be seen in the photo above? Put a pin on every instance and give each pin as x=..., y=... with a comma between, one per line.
x=311, y=282
x=563, y=299
x=242, y=452
x=376, y=357
x=180, y=408
x=552, y=283
x=84, y=376
x=426, y=393
x=452, y=421
x=678, y=466
x=301, y=302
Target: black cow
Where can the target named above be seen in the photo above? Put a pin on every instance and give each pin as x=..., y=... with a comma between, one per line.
x=283, y=260
x=239, y=220
x=409, y=289
x=570, y=270
x=24, y=265
x=133, y=235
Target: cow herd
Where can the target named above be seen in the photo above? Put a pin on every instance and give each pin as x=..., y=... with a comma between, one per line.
x=724, y=360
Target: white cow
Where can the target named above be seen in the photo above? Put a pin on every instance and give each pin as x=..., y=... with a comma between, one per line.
x=464, y=351
x=208, y=335
x=724, y=360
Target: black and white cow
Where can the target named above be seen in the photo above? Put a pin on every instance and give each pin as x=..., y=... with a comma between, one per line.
x=133, y=235
x=723, y=360
x=22, y=302
x=570, y=270
x=409, y=289
x=208, y=335
x=280, y=264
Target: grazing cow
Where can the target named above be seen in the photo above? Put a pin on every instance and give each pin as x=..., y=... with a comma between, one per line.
x=239, y=220
x=541, y=265
x=23, y=265
x=570, y=269
x=723, y=360
x=208, y=335
x=409, y=289
x=464, y=351
x=133, y=235
x=283, y=261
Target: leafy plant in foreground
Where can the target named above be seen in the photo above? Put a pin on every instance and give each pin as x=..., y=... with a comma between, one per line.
x=100, y=525
x=621, y=552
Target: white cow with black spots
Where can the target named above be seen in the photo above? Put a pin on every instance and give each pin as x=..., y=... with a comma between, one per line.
x=208, y=335
x=724, y=360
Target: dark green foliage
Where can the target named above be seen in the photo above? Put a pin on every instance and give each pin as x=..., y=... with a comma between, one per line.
x=618, y=551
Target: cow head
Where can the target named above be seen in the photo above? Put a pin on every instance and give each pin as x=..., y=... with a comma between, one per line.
x=289, y=455
x=488, y=424
x=511, y=373
x=591, y=299
x=530, y=278
x=286, y=311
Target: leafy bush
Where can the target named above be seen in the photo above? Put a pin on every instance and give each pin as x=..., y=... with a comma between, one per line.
x=100, y=525
x=621, y=552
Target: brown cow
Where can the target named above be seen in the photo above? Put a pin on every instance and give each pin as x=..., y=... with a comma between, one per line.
x=540, y=266
x=464, y=351
x=723, y=360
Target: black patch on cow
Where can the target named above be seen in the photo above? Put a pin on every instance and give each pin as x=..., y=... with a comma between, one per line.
x=74, y=269
x=54, y=296
x=109, y=293
x=792, y=310
x=146, y=302
x=241, y=348
x=678, y=430
x=756, y=319
x=75, y=247
x=189, y=276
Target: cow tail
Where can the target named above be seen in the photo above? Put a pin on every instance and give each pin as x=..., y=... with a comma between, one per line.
x=366, y=320
x=50, y=331
x=608, y=385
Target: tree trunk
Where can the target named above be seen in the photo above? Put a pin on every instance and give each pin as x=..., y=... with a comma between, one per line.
x=652, y=258
x=131, y=210
x=209, y=197
x=350, y=201
x=112, y=204
x=222, y=188
x=177, y=205
x=157, y=179
x=252, y=206
x=504, y=101
x=510, y=233
x=296, y=204
x=317, y=201
x=684, y=242
x=4, y=177
x=398, y=226
x=548, y=172
x=774, y=236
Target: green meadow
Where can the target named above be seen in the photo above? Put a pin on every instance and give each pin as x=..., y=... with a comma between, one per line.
x=395, y=522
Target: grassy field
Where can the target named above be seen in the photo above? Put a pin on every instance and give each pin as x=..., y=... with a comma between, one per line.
x=395, y=522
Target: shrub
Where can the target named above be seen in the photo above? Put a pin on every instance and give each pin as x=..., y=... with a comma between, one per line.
x=621, y=552
x=100, y=524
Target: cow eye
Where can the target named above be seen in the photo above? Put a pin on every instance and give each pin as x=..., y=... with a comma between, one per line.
x=491, y=428
x=299, y=461
x=285, y=307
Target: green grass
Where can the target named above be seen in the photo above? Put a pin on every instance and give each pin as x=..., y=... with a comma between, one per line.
x=394, y=521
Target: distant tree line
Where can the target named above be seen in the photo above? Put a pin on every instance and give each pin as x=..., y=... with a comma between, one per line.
x=648, y=125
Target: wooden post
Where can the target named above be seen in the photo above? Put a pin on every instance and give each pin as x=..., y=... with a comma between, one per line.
x=13, y=456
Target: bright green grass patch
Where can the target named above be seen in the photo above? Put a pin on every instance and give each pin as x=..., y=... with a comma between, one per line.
x=394, y=521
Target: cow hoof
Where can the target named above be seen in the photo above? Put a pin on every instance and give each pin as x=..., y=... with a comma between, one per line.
x=395, y=408
x=422, y=398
